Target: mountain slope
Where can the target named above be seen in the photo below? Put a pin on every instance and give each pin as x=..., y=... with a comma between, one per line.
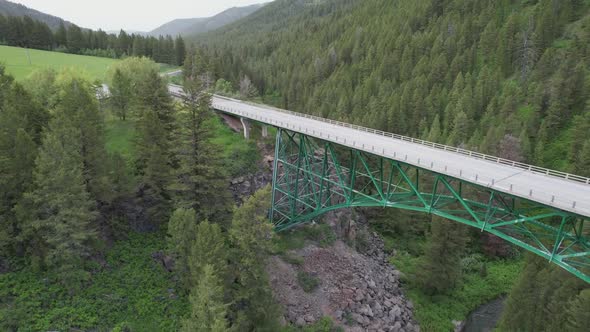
x=485, y=75
x=193, y=26
x=8, y=8
x=176, y=27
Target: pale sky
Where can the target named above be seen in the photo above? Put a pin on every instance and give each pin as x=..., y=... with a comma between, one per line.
x=140, y=15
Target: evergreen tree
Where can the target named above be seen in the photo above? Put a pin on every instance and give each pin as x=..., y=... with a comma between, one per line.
x=61, y=36
x=75, y=39
x=579, y=313
x=155, y=170
x=77, y=100
x=181, y=237
x=201, y=182
x=435, y=134
x=120, y=94
x=441, y=268
x=63, y=211
x=42, y=87
x=460, y=129
x=251, y=234
x=538, y=298
x=153, y=146
x=208, y=249
x=582, y=165
x=180, y=51
x=519, y=313
x=208, y=308
x=21, y=125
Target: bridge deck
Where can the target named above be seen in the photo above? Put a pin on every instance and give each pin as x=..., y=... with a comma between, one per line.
x=559, y=192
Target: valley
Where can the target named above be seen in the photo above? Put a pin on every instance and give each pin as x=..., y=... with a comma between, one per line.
x=142, y=207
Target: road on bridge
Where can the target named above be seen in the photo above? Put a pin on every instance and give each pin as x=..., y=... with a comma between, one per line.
x=559, y=192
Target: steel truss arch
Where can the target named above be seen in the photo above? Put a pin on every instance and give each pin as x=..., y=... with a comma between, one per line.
x=312, y=177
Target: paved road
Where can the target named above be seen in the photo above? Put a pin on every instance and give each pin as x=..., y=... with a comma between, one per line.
x=558, y=192
x=172, y=73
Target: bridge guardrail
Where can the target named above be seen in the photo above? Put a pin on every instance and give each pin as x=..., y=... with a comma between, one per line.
x=473, y=154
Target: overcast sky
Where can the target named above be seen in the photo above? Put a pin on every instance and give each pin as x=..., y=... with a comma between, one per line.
x=142, y=15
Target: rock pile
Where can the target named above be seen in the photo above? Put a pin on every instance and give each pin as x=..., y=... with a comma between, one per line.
x=358, y=292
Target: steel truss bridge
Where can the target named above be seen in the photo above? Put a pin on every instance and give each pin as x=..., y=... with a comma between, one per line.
x=322, y=165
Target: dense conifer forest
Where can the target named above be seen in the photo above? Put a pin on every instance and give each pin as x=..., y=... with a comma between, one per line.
x=461, y=72
x=27, y=32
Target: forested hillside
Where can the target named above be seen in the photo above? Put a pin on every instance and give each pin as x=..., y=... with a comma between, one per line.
x=461, y=72
x=8, y=8
x=509, y=78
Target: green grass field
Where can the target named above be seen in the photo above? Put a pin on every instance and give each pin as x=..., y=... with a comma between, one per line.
x=17, y=62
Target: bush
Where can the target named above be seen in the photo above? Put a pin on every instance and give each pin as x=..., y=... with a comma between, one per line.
x=134, y=293
x=320, y=233
x=307, y=281
x=361, y=241
x=292, y=259
x=472, y=263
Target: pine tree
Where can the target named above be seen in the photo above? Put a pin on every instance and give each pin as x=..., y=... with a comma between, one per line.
x=519, y=313
x=578, y=312
x=208, y=249
x=63, y=209
x=582, y=165
x=61, y=36
x=120, y=94
x=75, y=40
x=180, y=51
x=77, y=100
x=441, y=269
x=525, y=143
x=580, y=128
x=155, y=179
x=21, y=124
x=182, y=229
x=200, y=179
x=435, y=134
x=251, y=235
x=207, y=300
x=460, y=130
x=542, y=138
x=15, y=179
x=153, y=150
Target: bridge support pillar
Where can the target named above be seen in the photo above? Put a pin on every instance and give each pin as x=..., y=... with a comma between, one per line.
x=264, y=131
x=246, y=125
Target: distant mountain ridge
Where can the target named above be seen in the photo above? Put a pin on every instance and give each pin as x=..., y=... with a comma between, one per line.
x=8, y=8
x=194, y=26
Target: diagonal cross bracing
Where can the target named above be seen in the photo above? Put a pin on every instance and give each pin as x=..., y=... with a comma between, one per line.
x=312, y=177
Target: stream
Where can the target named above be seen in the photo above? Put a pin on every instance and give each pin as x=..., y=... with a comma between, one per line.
x=485, y=317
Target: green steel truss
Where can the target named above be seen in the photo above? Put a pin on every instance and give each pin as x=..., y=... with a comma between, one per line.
x=312, y=177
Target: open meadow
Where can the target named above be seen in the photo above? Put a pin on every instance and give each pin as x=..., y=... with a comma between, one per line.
x=21, y=62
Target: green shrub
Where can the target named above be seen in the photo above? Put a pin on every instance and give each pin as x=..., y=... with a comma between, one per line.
x=472, y=263
x=320, y=233
x=292, y=259
x=134, y=293
x=361, y=241
x=307, y=281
